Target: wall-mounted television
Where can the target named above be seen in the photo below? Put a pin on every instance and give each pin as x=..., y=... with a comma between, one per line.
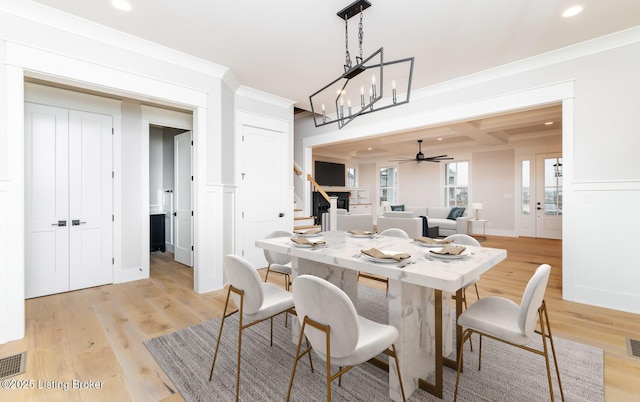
x=329, y=173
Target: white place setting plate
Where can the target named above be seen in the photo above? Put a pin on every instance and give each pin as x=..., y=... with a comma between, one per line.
x=429, y=245
x=303, y=234
x=361, y=236
x=460, y=256
x=384, y=260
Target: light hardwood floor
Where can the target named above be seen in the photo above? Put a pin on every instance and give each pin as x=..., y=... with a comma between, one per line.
x=96, y=334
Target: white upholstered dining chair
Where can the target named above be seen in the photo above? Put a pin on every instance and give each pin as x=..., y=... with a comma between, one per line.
x=503, y=320
x=278, y=262
x=256, y=301
x=336, y=332
x=395, y=232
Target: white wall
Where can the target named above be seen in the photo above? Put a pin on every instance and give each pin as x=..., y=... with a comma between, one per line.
x=54, y=46
x=168, y=174
x=156, y=153
x=599, y=87
x=493, y=184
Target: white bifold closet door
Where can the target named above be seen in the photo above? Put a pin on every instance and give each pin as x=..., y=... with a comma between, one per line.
x=68, y=200
x=183, y=252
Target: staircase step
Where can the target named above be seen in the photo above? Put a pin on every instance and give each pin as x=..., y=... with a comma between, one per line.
x=303, y=227
x=303, y=220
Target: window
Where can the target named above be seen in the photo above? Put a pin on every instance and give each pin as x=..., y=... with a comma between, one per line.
x=351, y=177
x=525, y=208
x=553, y=186
x=388, y=184
x=456, y=184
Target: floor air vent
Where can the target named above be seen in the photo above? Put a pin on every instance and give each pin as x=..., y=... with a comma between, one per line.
x=633, y=347
x=12, y=365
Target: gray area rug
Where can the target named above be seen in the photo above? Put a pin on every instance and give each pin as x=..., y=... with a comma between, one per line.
x=508, y=373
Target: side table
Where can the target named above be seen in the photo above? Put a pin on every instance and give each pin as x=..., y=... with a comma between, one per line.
x=484, y=227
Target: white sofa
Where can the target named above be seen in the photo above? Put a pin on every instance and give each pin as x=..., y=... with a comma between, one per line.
x=347, y=221
x=410, y=221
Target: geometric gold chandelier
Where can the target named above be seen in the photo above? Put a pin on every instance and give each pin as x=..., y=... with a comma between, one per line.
x=364, y=87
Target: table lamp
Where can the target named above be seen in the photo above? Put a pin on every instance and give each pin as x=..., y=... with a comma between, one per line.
x=477, y=206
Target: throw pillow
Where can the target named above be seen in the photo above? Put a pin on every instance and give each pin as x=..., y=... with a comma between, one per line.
x=455, y=213
x=397, y=207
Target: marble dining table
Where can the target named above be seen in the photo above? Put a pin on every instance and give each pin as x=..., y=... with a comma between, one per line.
x=419, y=288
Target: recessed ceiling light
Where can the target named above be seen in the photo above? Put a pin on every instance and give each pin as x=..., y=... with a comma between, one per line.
x=369, y=149
x=571, y=11
x=548, y=123
x=123, y=5
x=440, y=139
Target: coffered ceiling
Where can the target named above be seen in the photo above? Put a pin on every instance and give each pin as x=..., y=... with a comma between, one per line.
x=494, y=130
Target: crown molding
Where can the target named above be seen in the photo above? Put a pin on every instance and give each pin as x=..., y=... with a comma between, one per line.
x=48, y=16
x=262, y=96
x=582, y=49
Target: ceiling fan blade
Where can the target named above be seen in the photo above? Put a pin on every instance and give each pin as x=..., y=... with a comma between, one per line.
x=420, y=157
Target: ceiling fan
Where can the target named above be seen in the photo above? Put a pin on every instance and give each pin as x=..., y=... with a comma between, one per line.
x=421, y=158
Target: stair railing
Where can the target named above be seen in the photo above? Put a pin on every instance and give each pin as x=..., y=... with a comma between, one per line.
x=316, y=187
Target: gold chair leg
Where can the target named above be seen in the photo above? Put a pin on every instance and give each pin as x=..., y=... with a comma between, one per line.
x=224, y=316
x=480, y=354
x=266, y=276
x=328, y=338
x=477, y=293
x=544, y=318
x=464, y=300
x=239, y=345
x=553, y=348
x=309, y=348
x=295, y=361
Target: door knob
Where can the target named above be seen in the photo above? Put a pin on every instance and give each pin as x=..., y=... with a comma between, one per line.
x=60, y=223
x=281, y=214
x=77, y=222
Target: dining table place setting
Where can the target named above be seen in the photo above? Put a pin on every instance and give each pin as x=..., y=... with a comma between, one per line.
x=430, y=242
x=313, y=232
x=305, y=242
x=384, y=256
x=450, y=251
x=361, y=233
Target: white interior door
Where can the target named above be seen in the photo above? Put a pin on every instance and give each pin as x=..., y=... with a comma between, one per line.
x=263, y=183
x=548, y=194
x=46, y=200
x=68, y=200
x=183, y=217
x=90, y=200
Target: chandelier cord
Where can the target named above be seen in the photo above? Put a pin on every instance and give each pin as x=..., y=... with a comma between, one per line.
x=360, y=35
x=347, y=56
